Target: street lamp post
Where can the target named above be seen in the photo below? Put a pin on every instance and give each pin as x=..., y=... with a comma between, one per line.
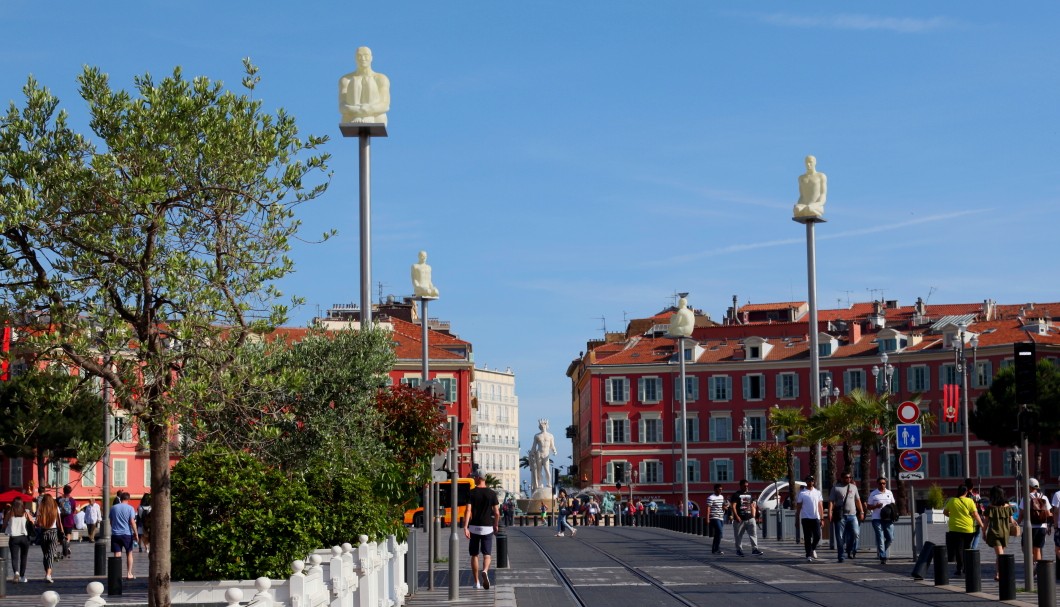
x=961, y=362
x=887, y=369
x=745, y=433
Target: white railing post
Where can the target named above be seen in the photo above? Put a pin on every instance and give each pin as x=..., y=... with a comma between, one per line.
x=233, y=596
x=397, y=579
x=95, y=595
x=364, y=570
x=262, y=598
x=350, y=573
x=338, y=581
x=297, y=584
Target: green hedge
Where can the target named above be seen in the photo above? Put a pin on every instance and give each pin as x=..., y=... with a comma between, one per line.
x=234, y=518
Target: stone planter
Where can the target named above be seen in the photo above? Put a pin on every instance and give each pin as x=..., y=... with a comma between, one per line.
x=934, y=517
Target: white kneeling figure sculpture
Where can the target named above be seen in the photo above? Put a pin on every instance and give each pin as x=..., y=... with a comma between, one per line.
x=683, y=321
x=813, y=190
x=364, y=95
x=421, y=278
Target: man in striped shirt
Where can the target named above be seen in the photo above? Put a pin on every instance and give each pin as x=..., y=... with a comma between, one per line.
x=716, y=504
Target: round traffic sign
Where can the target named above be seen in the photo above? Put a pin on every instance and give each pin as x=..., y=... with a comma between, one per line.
x=910, y=460
x=908, y=412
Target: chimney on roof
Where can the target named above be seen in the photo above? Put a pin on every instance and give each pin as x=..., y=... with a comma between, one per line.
x=989, y=309
x=919, y=312
x=877, y=319
x=891, y=304
x=855, y=332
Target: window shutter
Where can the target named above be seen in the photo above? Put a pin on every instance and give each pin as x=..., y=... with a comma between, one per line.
x=679, y=472
x=746, y=387
x=908, y=381
x=795, y=383
x=678, y=433
x=640, y=389
x=610, y=391
x=640, y=430
x=988, y=374
x=610, y=431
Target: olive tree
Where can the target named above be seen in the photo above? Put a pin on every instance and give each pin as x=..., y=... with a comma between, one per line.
x=147, y=250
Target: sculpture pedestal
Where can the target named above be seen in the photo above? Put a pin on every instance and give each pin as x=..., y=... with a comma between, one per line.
x=542, y=496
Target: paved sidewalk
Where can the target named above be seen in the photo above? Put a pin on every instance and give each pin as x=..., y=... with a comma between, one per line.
x=72, y=575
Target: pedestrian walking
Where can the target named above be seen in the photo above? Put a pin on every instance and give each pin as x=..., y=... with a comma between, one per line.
x=143, y=522
x=809, y=509
x=845, y=512
x=93, y=516
x=744, y=514
x=564, y=505
x=68, y=510
x=999, y=521
x=973, y=494
x=716, y=507
x=18, y=524
x=884, y=512
x=51, y=523
x=480, y=524
x=963, y=515
x=123, y=533
x=1040, y=516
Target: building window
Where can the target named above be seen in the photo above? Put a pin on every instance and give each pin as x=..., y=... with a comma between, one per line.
x=651, y=430
x=617, y=472
x=88, y=476
x=919, y=378
x=787, y=385
x=14, y=473
x=618, y=430
x=691, y=385
x=721, y=471
x=758, y=427
x=121, y=429
x=121, y=473
x=58, y=474
x=950, y=465
x=649, y=390
x=147, y=473
x=889, y=344
x=651, y=471
x=754, y=386
x=720, y=387
x=1008, y=463
x=692, y=423
x=412, y=382
x=853, y=379
x=948, y=375
x=982, y=464
x=694, y=475
x=720, y=428
x=824, y=378
x=449, y=386
x=983, y=376
x=754, y=353
x=617, y=390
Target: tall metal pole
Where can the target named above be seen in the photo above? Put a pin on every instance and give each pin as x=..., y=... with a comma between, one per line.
x=684, y=428
x=887, y=370
x=454, y=524
x=366, y=228
x=1025, y=473
x=815, y=354
x=431, y=509
x=104, y=525
x=964, y=407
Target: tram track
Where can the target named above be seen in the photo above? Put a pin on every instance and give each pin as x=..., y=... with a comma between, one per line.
x=732, y=570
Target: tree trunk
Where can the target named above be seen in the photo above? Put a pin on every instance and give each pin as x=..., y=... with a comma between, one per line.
x=901, y=497
x=42, y=473
x=848, y=457
x=789, y=450
x=159, y=563
x=813, y=465
x=863, y=470
x=829, y=481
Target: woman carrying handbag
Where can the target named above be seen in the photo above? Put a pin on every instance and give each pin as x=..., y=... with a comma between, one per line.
x=19, y=526
x=1000, y=524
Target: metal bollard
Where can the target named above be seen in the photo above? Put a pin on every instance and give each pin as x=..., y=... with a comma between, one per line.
x=780, y=523
x=412, y=574
x=101, y=557
x=3, y=577
x=973, y=574
x=942, y=571
x=502, y=551
x=537, y=519
x=1006, y=572
x=114, y=576
x=1046, y=583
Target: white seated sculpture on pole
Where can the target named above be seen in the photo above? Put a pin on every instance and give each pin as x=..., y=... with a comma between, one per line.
x=421, y=278
x=683, y=320
x=364, y=95
x=813, y=190
x=540, y=463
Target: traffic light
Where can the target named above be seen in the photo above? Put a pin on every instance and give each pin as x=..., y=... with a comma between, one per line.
x=1026, y=374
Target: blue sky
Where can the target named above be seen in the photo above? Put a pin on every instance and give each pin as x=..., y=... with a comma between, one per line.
x=567, y=162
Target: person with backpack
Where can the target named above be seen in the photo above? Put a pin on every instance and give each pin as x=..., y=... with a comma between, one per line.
x=1040, y=517
x=963, y=516
x=67, y=510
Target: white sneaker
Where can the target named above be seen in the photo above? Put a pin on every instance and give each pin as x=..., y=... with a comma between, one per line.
x=814, y=554
x=478, y=586
x=25, y=579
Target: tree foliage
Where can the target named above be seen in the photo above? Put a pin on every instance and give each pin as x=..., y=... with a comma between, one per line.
x=789, y=422
x=769, y=461
x=413, y=431
x=48, y=414
x=995, y=415
x=149, y=251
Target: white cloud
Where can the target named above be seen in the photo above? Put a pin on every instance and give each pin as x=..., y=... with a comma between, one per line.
x=905, y=25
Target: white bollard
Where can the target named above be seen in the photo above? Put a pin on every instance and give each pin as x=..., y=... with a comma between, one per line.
x=263, y=596
x=49, y=598
x=233, y=596
x=95, y=595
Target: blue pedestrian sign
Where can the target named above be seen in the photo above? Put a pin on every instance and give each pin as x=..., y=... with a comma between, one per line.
x=908, y=436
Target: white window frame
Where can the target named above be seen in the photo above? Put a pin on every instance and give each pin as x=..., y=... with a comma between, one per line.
x=611, y=419
x=88, y=475
x=693, y=423
x=642, y=428
x=611, y=471
x=759, y=431
x=713, y=429
x=691, y=384
x=849, y=384
x=947, y=457
x=449, y=387
x=782, y=392
x=696, y=474
x=948, y=371
x=412, y=381
x=747, y=386
x=610, y=384
x=720, y=381
x=147, y=473
x=730, y=473
x=983, y=375
x=979, y=457
x=919, y=378
x=643, y=384
x=649, y=479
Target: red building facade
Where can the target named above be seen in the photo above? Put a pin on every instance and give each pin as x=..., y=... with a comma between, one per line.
x=626, y=394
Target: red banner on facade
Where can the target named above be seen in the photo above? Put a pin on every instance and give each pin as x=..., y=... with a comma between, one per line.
x=951, y=399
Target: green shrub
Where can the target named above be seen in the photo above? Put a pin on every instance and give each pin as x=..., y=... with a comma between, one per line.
x=235, y=518
x=935, y=497
x=347, y=507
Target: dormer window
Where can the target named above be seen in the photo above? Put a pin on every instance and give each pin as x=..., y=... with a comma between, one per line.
x=826, y=344
x=889, y=340
x=757, y=348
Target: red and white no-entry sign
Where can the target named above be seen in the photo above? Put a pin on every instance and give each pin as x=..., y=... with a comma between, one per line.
x=908, y=412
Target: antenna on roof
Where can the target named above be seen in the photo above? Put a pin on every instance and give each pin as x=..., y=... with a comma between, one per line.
x=603, y=324
x=848, y=297
x=930, y=291
x=380, y=286
x=873, y=292
x=625, y=317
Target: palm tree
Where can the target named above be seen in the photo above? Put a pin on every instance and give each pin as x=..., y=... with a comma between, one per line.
x=524, y=462
x=791, y=423
x=493, y=482
x=828, y=427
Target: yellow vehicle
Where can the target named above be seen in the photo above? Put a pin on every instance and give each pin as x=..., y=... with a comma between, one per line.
x=414, y=516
